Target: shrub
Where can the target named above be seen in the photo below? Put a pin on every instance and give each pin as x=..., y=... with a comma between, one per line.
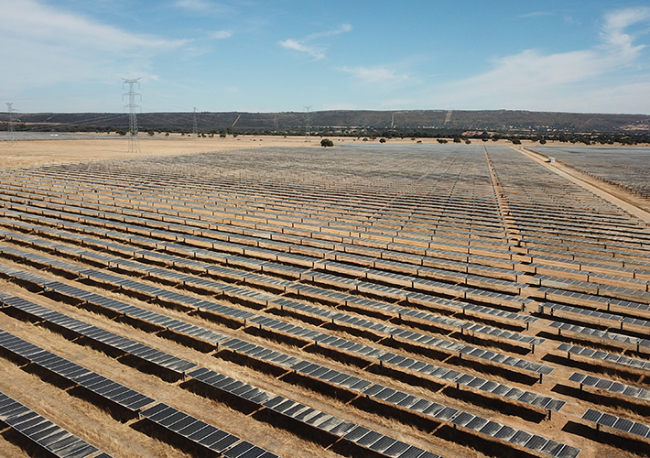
x=326, y=142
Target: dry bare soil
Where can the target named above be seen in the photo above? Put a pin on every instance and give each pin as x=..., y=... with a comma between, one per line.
x=436, y=231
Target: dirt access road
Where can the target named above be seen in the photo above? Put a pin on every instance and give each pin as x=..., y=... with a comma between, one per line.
x=634, y=204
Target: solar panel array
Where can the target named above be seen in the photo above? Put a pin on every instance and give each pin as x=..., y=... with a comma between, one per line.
x=116, y=393
x=432, y=283
x=42, y=432
x=619, y=424
x=605, y=357
x=611, y=386
x=179, y=423
x=630, y=170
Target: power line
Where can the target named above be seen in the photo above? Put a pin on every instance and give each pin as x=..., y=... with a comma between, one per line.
x=134, y=145
x=195, y=128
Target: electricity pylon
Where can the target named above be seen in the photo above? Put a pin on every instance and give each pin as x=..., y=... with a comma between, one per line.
x=10, y=128
x=308, y=123
x=134, y=145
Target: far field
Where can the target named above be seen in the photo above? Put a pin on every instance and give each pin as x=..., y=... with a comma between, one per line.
x=259, y=297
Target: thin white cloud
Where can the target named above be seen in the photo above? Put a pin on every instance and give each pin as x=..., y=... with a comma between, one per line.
x=315, y=51
x=221, y=34
x=373, y=74
x=194, y=5
x=202, y=6
x=535, y=14
x=531, y=78
x=342, y=29
x=44, y=45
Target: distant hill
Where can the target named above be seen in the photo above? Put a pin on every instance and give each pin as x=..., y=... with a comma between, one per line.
x=342, y=121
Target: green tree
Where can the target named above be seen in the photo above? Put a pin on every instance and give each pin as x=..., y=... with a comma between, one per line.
x=326, y=142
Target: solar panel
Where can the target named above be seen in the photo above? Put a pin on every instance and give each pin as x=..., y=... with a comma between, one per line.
x=43, y=432
x=611, y=386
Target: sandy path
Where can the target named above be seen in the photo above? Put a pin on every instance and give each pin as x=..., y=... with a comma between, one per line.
x=628, y=201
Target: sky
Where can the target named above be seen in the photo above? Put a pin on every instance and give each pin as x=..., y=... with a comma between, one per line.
x=586, y=56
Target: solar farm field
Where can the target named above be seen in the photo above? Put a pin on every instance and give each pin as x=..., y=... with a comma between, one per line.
x=407, y=301
x=628, y=167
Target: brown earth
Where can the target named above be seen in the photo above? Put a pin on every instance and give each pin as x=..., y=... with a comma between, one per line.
x=96, y=426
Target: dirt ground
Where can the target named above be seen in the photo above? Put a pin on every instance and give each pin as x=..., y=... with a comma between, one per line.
x=13, y=379
x=35, y=152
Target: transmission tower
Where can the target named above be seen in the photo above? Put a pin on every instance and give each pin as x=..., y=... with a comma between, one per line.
x=134, y=145
x=308, y=123
x=195, y=128
x=10, y=128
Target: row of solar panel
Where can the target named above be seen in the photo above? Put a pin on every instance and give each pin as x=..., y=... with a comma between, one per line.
x=376, y=391
x=632, y=363
x=319, y=420
x=169, y=295
x=96, y=383
x=530, y=442
x=597, y=278
x=186, y=426
x=210, y=203
x=437, y=411
x=165, y=321
x=580, y=286
x=284, y=269
x=119, y=394
x=615, y=243
x=108, y=218
x=569, y=297
x=257, y=233
x=255, y=280
x=96, y=334
x=421, y=339
x=42, y=432
x=443, y=200
x=622, y=269
x=337, y=342
x=153, y=211
x=639, y=256
x=597, y=335
x=488, y=353
x=594, y=263
x=112, y=391
x=622, y=389
x=619, y=423
x=470, y=381
x=604, y=316
x=467, y=292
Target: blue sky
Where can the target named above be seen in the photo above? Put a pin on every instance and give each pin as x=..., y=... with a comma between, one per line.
x=284, y=55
